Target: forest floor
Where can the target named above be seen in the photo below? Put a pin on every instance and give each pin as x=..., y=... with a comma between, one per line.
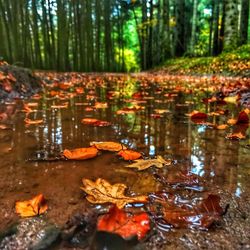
x=197, y=193
x=234, y=63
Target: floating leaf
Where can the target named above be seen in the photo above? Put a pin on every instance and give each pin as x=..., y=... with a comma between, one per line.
x=80, y=153
x=243, y=117
x=102, y=191
x=127, y=226
x=108, y=146
x=236, y=136
x=129, y=155
x=33, y=207
x=95, y=122
x=196, y=115
x=182, y=215
x=221, y=127
x=32, y=122
x=159, y=162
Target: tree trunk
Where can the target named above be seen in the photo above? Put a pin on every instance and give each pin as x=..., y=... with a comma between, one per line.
x=244, y=18
x=231, y=25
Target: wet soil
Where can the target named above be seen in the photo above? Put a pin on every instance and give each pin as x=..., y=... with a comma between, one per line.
x=31, y=164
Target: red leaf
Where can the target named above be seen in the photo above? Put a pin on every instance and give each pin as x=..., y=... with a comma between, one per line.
x=242, y=118
x=181, y=215
x=198, y=116
x=119, y=222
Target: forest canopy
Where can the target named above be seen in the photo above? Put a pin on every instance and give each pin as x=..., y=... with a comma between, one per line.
x=118, y=35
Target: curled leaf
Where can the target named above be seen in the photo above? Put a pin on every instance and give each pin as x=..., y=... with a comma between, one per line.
x=33, y=207
x=80, y=153
x=108, y=146
x=102, y=191
x=118, y=222
x=129, y=155
x=159, y=162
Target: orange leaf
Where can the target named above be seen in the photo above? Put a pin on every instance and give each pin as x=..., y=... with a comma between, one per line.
x=33, y=207
x=108, y=145
x=80, y=153
x=32, y=122
x=129, y=155
x=119, y=222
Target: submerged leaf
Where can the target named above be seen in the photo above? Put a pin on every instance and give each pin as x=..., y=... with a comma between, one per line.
x=118, y=222
x=108, y=146
x=80, y=153
x=129, y=155
x=182, y=215
x=102, y=191
x=159, y=162
x=33, y=207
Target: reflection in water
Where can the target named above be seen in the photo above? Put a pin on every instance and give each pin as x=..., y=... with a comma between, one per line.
x=170, y=133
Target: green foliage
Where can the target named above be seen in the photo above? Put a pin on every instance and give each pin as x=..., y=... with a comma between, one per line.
x=234, y=62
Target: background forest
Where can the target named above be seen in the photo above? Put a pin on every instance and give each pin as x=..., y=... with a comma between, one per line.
x=118, y=35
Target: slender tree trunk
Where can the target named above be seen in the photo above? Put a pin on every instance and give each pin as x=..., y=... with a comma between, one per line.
x=244, y=19
x=194, y=26
x=180, y=28
x=231, y=25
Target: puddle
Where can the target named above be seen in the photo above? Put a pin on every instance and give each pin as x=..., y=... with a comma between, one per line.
x=152, y=120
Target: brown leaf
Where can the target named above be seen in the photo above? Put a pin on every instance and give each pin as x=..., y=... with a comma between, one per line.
x=33, y=207
x=159, y=162
x=102, y=191
x=108, y=146
x=80, y=153
x=181, y=215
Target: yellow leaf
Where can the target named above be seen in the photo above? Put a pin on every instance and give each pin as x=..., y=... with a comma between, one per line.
x=101, y=191
x=159, y=162
x=33, y=207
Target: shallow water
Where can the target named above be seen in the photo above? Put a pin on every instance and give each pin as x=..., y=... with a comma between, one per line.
x=30, y=154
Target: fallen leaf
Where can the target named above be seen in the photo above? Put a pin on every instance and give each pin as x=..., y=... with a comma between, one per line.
x=108, y=146
x=33, y=207
x=80, y=153
x=243, y=118
x=101, y=105
x=32, y=122
x=129, y=155
x=159, y=162
x=231, y=121
x=102, y=191
x=126, y=225
x=222, y=126
x=182, y=215
x=236, y=136
x=95, y=122
x=60, y=106
x=196, y=115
